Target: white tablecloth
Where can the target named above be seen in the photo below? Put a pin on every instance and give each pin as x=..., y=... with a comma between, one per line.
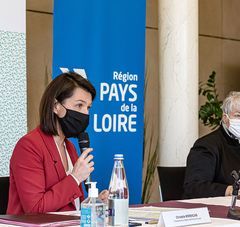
x=155, y=212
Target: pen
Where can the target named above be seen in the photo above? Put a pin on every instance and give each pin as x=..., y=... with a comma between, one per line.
x=151, y=222
x=134, y=224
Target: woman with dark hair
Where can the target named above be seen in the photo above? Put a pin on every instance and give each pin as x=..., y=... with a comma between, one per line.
x=45, y=170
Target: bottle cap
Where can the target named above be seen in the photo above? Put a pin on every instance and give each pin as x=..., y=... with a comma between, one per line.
x=118, y=156
x=93, y=191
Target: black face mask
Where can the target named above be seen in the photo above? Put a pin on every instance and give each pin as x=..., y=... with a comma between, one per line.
x=73, y=123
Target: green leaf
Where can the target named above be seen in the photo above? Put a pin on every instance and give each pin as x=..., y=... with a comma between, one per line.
x=210, y=113
x=210, y=84
x=210, y=97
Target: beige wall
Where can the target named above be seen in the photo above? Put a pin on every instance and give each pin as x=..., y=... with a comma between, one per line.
x=219, y=45
x=219, y=50
x=39, y=54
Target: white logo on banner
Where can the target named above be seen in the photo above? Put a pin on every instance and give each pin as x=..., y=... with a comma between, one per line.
x=123, y=91
x=81, y=72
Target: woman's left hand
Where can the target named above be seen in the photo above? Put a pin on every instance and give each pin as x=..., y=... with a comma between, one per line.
x=104, y=195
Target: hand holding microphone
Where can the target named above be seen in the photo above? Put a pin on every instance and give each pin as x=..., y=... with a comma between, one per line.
x=84, y=144
x=84, y=165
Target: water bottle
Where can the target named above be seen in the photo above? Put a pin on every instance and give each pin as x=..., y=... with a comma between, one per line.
x=118, y=199
x=93, y=210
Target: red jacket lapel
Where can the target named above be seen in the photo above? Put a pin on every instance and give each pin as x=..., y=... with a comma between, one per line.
x=52, y=149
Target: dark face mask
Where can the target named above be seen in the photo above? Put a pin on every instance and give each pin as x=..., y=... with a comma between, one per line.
x=73, y=123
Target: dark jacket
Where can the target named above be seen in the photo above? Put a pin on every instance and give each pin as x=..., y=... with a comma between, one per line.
x=210, y=163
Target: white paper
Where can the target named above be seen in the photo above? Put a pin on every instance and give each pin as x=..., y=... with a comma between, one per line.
x=184, y=217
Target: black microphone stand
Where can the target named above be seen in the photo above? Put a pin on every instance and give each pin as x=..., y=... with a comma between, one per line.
x=233, y=212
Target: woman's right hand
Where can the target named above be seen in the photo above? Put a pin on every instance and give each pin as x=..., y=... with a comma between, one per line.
x=83, y=166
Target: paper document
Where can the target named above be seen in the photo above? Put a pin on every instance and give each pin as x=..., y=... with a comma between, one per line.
x=147, y=214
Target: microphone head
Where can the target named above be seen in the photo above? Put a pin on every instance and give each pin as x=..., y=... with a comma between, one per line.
x=83, y=140
x=235, y=175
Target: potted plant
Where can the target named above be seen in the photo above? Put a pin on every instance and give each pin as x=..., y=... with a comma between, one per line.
x=210, y=113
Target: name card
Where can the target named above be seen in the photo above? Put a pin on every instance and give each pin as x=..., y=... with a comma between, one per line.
x=184, y=217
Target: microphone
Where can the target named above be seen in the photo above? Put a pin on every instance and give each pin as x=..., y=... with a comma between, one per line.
x=84, y=143
x=233, y=211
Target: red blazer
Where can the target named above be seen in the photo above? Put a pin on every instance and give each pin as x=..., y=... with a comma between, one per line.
x=38, y=181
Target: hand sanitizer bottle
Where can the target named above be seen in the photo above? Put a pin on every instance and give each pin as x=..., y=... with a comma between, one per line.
x=93, y=209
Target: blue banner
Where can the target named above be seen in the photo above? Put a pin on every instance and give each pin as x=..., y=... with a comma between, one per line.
x=106, y=40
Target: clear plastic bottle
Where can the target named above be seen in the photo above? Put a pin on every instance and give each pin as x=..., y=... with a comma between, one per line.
x=93, y=210
x=118, y=199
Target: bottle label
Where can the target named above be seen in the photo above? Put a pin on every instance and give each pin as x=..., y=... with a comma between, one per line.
x=100, y=215
x=85, y=217
x=118, y=212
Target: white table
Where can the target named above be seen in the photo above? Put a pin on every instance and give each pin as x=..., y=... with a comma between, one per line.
x=155, y=212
